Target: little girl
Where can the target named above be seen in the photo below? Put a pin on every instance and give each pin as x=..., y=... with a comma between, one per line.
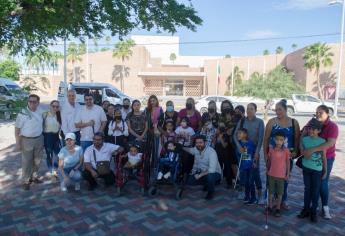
x=134, y=157
x=118, y=129
x=184, y=133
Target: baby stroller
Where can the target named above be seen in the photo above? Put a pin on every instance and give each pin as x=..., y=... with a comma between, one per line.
x=124, y=175
x=176, y=178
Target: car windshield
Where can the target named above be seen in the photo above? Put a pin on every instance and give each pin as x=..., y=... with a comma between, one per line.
x=12, y=87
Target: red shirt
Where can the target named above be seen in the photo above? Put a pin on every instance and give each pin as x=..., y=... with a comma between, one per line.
x=278, y=159
x=329, y=130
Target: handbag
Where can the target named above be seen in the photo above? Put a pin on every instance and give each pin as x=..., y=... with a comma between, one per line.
x=103, y=167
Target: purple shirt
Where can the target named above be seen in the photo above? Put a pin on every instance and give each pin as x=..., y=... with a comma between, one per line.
x=193, y=120
x=329, y=130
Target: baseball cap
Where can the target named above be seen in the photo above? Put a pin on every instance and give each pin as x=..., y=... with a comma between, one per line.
x=70, y=136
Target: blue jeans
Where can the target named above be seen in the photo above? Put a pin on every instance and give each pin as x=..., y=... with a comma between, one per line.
x=85, y=144
x=324, y=191
x=247, y=180
x=208, y=181
x=76, y=178
x=312, y=185
x=52, y=146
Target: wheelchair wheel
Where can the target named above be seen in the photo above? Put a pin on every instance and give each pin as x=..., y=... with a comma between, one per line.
x=152, y=191
x=178, y=195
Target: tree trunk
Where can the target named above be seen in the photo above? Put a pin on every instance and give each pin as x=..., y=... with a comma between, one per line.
x=319, y=85
x=266, y=110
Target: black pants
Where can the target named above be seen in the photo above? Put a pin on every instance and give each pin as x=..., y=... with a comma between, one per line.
x=109, y=179
x=226, y=158
x=187, y=162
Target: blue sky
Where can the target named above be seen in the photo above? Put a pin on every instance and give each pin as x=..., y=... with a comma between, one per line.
x=236, y=20
x=231, y=19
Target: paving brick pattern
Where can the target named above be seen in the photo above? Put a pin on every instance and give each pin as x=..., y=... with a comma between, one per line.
x=45, y=210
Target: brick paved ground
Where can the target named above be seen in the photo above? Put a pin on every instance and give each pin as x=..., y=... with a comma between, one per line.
x=46, y=211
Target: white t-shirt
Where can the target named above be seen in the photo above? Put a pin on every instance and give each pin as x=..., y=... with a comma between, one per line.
x=122, y=125
x=124, y=113
x=68, y=115
x=186, y=134
x=30, y=123
x=104, y=154
x=85, y=115
x=134, y=159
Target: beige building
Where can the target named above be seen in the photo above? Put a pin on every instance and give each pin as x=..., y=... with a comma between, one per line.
x=150, y=71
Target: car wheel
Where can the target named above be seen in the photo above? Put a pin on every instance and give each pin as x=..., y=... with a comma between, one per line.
x=331, y=112
x=290, y=111
x=203, y=110
x=10, y=105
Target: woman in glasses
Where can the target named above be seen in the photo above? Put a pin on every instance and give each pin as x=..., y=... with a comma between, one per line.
x=51, y=130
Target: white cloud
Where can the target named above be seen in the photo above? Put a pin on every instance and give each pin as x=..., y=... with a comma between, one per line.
x=261, y=34
x=302, y=4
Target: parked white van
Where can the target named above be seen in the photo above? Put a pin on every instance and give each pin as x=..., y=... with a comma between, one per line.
x=10, y=92
x=100, y=91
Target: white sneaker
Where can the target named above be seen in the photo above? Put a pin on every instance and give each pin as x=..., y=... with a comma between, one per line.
x=63, y=187
x=167, y=175
x=261, y=201
x=326, y=213
x=160, y=176
x=241, y=196
x=77, y=187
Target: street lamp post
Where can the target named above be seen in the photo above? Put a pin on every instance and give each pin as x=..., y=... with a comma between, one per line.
x=337, y=88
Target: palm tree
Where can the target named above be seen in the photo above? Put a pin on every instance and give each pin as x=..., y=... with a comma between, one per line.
x=227, y=56
x=266, y=52
x=317, y=55
x=123, y=51
x=237, y=77
x=279, y=50
x=255, y=75
x=55, y=56
x=294, y=46
x=172, y=57
x=73, y=55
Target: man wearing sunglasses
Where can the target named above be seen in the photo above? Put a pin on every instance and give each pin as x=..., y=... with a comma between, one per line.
x=29, y=140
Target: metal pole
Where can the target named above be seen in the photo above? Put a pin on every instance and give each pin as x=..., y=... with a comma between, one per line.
x=65, y=66
x=87, y=60
x=232, y=77
x=337, y=89
x=217, y=74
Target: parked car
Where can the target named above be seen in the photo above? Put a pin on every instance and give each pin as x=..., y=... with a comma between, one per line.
x=10, y=92
x=303, y=103
x=100, y=91
x=202, y=104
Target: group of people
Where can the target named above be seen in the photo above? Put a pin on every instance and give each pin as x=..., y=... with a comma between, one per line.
x=213, y=146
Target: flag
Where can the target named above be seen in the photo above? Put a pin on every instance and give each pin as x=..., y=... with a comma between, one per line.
x=218, y=72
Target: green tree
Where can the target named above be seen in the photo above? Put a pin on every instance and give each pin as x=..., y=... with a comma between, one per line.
x=294, y=46
x=25, y=25
x=9, y=69
x=279, y=50
x=238, y=76
x=38, y=59
x=172, y=57
x=74, y=53
x=314, y=57
x=227, y=56
x=54, y=58
x=123, y=51
x=277, y=83
x=266, y=52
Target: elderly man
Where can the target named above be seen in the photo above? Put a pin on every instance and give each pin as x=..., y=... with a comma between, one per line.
x=90, y=119
x=206, y=169
x=69, y=111
x=97, y=160
x=29, y=140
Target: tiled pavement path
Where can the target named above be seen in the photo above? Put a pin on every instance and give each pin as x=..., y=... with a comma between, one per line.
x=45, y=210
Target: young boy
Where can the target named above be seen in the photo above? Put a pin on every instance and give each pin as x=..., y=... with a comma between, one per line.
x=314, y=169
x=209, y=132
x=246, y=154
x=278, y=170
x=168, y=162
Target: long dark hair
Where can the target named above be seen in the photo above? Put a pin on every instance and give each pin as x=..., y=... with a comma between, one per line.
x=58, y=113
x=149, y=106
x=231, y=107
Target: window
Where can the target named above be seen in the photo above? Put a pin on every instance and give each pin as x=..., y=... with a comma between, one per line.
x=312, y=99
x=211, y=99
x=174, y=87
x=221, y=99
x=82, y=91
x=111, y=93
x=4, y=91
x=300, y=98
